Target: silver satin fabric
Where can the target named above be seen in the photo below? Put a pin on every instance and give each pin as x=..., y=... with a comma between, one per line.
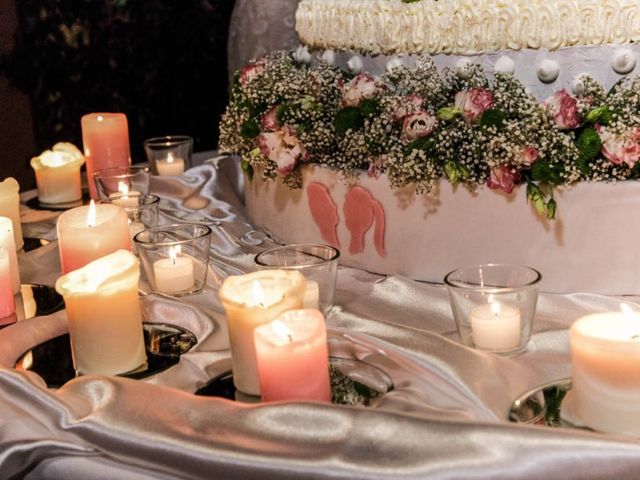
x=445, y=419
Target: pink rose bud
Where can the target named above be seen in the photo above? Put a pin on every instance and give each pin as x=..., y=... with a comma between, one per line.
x=504, y=177
x=360, y=87
x=474, y=102
x=251, y=71
x=417, y=125
x=270, y=120
x=564, y=109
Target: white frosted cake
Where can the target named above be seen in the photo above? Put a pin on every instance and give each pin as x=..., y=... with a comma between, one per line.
x=423, y=136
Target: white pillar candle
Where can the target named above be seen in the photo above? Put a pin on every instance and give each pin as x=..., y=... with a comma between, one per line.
x=495, y=326
x=605, y=361
x=174, y=274
x=10, y=207
x=250, y=301
x=311, y=294
x=90, y=232
x=58, y=174
x=7, y=300
x=103, y=312
x=293, y=358
x=7, y=240
x=171, y=166
x=125, y=198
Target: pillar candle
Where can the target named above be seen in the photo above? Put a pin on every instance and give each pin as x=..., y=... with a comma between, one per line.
x=292, y=357
x=105, y=137
x=495, y=326
x=250, y=301
x=90, y=232
x=7, y=240
x=10, y=207
x=170, y=166
x=7, y=300
x=174, y=274
x=103, y=312
x=58, y=174
x=605, y=362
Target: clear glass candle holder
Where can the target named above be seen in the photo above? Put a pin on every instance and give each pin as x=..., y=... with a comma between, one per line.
x=142, y=212
x=175, y=258
x=494, y=305
x=121, y=185
x=170, y=155
x=318, y=263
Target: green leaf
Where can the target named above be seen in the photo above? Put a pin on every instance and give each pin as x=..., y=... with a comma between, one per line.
x=349, y=118
x=247, y=168
x=455, y=172
x=369, y=107
x=545, y=172
x=589, y=144
x=552, y=206
x=448, y=113
x=493, y=117
x=422, y=143
x=249, y=129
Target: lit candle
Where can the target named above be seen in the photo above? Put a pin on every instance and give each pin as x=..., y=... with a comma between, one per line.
x=104, y=317
x=90, y=232
x=495, y=326
x=106, y=144
x=292, y=357
x=58, y=174
x=170, y=166
x=174, y=274
x=250, y=301
x=311, y=294
x=10, y=207
x=605, y=360
x=7, y=240
x=125, y=198
x=7, y=300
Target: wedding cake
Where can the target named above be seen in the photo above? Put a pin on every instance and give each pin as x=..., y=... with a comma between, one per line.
x=421, y=136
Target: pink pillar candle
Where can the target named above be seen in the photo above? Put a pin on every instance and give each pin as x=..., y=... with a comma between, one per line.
x=84, y=236
x=292, y=357
x=7, y=240
x=7, y=301
x=105, y=137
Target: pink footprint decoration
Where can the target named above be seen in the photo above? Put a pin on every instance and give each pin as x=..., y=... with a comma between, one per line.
x=360, y=211
x=324, y=212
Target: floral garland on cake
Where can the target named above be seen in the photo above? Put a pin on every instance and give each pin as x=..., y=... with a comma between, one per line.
x=418, y=125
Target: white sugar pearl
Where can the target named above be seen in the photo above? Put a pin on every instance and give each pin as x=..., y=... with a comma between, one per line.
x=505, y=65
x=354, y=65
x=548, y=71
x=623, y=61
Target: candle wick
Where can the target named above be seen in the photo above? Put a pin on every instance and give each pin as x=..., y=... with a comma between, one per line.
x=635, y=337
x=290, y=338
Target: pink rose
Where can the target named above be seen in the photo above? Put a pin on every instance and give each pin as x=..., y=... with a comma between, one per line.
x=564, y=109
x=270, y=120
x=357, y=89
x=474, y=102
x=251, y=71
x=528, y=156
x=623, y=148
x=374, y=167
x=417, y=125
x=408, y=105
x=282, y=147
x=504, y=177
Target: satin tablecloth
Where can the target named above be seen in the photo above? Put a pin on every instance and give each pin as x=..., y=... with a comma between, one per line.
x=446, y=418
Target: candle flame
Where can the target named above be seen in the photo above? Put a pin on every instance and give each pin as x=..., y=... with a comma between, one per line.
x=174, y=253
x=170, y=158
x=123, y=188
x=627, y=310
x=91, y=215
x=100, y=118
x=258, y=293
x=281, y=330
x=495, y=308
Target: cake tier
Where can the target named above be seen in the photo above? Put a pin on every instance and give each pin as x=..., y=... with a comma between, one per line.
x=591, y=246
x=465, y=26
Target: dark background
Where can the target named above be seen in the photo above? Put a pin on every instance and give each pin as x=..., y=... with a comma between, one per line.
x=162, y=63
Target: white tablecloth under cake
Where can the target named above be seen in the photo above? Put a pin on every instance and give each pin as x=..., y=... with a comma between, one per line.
x=446, y=418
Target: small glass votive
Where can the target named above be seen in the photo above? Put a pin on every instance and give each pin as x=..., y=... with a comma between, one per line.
x=494, y=305
x=142, y=212
x=170, y=155
x=122, y=185
x=175, y=258
x=319, y=265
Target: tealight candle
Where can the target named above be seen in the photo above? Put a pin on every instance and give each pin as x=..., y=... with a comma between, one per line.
x=292, y=357
x=105, y=137
x=170, y=166
x=10, y=207
x=7, y=240
x=7, y=300
x=495, y=326
x=174, y=274
x=605, y=360
x=250, y=301
x=58, y=174
x=90, y=232
x=125, y=198
x=103, y=312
